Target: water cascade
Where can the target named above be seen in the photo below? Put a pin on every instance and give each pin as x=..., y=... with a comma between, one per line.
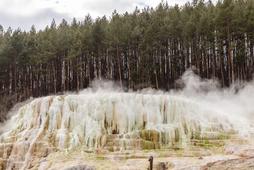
x=111, y=121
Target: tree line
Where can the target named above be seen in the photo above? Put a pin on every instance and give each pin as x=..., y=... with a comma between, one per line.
x=149, y=47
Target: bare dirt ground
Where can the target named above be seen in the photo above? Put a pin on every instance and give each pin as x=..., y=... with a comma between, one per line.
x=228, y=157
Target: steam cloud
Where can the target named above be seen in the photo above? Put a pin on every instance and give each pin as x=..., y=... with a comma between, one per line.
x=234, y=103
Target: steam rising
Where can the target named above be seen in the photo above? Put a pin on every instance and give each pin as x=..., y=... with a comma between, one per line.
x=199, y=106
x=235, y=103
x=237, y=100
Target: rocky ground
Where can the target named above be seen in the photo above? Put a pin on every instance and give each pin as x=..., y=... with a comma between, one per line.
x=233, y=164
x=235, y=157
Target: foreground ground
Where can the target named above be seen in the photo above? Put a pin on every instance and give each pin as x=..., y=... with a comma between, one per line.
x=230, y=156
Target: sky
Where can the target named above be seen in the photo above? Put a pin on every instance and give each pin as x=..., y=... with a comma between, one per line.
x=25, y=13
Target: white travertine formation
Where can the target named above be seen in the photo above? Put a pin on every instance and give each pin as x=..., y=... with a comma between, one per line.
x=108, y=120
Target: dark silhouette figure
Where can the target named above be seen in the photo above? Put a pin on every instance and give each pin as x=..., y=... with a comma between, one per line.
x=151, y=162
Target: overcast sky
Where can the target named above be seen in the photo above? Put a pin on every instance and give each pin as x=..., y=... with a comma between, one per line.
x=24, y=13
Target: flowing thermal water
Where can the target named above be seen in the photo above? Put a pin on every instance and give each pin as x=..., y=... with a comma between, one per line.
x=119, y=121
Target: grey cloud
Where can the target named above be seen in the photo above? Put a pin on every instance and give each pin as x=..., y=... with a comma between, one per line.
x=96, y=8
x=39, y=19
x=142, y=4
x=107, y=6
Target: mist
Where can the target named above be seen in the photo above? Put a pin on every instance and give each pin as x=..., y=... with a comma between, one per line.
x=234, y=103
